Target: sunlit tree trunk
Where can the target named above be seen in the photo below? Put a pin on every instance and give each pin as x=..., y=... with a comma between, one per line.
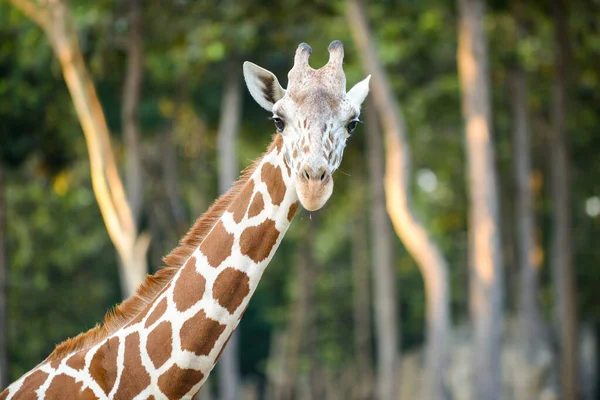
x=562, y=252
x=485, y=256
x=413, y=234
x=129, y=111
x=228, y=365
x=56, y=20
x=4, y=380
x=362, y=386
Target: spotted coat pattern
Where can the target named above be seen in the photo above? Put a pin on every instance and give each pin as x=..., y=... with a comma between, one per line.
x=169, y=350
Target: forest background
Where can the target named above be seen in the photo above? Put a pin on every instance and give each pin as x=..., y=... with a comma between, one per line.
x=463, y=230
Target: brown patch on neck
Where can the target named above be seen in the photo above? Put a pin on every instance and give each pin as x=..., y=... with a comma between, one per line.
x=158, y=312
x=217, y=246
x=126, y=312
x=134, y=378
x=292, y=210
x=239, y=206
x=257, y=242
x=257, y=205
x=31, y=384
x=65, y=387
x=159, y=344
x=176, y=382
x=200, y=333
x=276, y=187
x=77, y=361
x=103, y=367
x=231, y=288
x=189, y=287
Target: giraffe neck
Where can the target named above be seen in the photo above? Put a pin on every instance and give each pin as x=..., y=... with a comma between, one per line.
x=212, y=290
x=170, y=348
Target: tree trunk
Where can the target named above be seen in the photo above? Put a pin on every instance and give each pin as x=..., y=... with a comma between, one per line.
x=531, y=331
x=361, y=281
x=56, y=20
x=287, y=347
x=310, y=347
x=299, y=323
x=486, y=280
x=384, y=278
x=529, y=312
x=416, y=239
x=170, y=176
x=129, y=112
x=562, y=253
x=4, y=376
x=228, y=366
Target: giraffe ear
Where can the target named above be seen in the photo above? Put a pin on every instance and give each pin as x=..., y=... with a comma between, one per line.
x=359, y=92
x=263, y=85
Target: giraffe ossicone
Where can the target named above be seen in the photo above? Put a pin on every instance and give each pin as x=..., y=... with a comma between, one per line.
x=164, y=341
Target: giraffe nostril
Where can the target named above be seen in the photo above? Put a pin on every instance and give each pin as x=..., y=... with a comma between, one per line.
x=306, y=175
x=323, y=176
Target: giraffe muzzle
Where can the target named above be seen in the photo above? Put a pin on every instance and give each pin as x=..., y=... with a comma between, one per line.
x=314, y=187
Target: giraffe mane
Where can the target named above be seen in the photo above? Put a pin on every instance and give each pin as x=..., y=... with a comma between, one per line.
x=130, y=308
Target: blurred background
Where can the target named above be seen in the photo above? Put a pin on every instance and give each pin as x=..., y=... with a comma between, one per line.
x=469, y=272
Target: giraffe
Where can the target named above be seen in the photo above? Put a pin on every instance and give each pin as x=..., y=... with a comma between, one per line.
x=163, y=342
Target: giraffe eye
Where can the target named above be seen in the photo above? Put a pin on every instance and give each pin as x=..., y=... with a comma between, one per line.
x=279, y=124
x=352, y=125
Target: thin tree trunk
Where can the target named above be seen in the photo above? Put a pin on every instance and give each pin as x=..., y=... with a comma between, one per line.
x=129, y=112
x=531, y=331
x=170, y=174
x=529, y=312
x=298, y=324
x=562, y=252
x=4, y=376
x=170, y=178
x=486, y=282
x=415, y=237
x=228, y=127
x=228, y=366
x=56, y=20
x=316, y=377
x=361, y=283
x=384, y=278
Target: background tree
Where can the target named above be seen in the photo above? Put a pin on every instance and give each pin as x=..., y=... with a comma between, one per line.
x=484, y=252
x=4, y=380
x=525, y=222
x=412, y=233
x=561, y=251
x=231, y=104
x=56, y=21
x=129, y=113
x=57, y=245
x=361, y=278
x=384, y=287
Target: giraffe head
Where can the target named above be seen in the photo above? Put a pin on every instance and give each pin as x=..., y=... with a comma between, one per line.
x=315, y=115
